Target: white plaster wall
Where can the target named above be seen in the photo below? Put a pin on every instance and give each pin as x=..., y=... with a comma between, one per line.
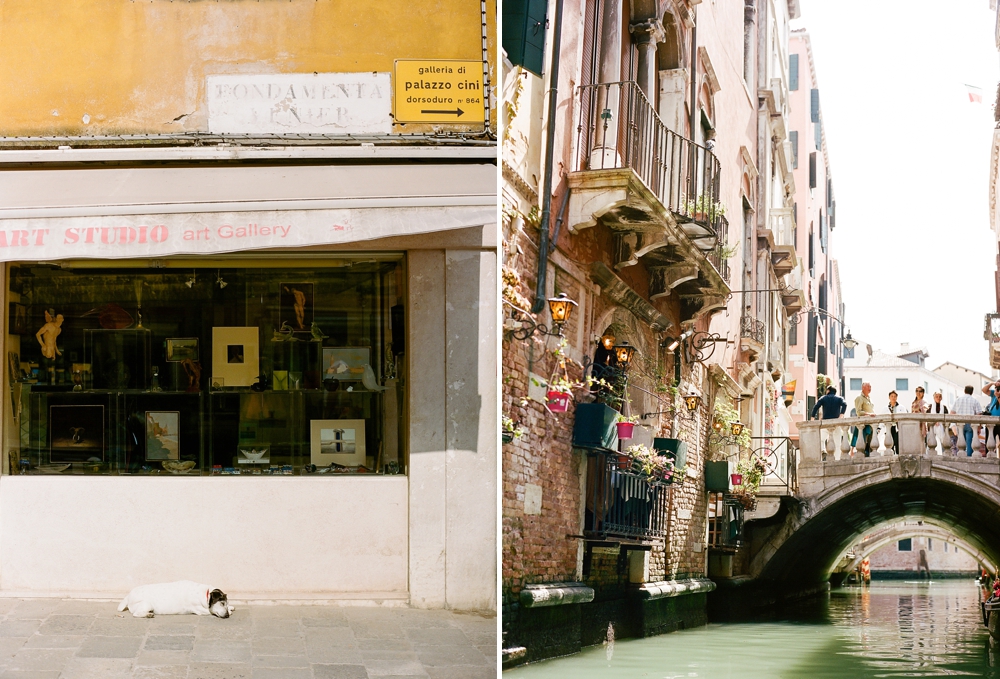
x=248, y=536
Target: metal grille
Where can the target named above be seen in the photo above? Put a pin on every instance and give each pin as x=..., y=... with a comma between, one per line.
x=618, y=128
x=622, y=503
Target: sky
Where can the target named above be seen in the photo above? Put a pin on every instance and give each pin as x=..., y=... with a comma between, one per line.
x=910, y=163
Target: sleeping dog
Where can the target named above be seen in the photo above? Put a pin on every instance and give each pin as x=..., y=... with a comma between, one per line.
x=176, y=598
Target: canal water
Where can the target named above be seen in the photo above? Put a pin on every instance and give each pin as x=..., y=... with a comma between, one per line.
x=890, y=629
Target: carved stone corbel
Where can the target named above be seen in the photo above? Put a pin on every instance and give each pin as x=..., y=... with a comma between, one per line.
x=663, y=279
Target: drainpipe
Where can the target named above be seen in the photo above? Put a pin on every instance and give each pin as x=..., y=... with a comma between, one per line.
x=550, y=142
x=694, y=73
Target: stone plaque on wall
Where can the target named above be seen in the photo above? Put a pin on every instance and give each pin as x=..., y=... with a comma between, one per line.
x=300, y=103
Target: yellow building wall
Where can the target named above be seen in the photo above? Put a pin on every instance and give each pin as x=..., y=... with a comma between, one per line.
x=100, y=67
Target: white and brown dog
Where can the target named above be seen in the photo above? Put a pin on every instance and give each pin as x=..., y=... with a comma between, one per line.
x=176, y=598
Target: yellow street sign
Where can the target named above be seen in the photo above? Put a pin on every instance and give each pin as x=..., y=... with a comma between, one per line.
x=438, y=91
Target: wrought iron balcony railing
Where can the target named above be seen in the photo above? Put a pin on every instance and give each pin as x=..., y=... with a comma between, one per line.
x=715, y=255
x=725, y=521
x=622, y=503
x=618, y=128
x=752, y=328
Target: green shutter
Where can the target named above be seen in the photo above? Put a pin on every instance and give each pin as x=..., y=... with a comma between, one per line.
x=524, y=33
x=812, y=170
x=793, y=137
x=818, y=129
x=814, y=105
x=793, y=71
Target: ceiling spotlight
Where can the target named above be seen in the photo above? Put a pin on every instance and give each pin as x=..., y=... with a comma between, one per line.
x=191, y=281
x=219, y=280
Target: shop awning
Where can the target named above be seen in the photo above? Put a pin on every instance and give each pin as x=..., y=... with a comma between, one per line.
x=157, y=212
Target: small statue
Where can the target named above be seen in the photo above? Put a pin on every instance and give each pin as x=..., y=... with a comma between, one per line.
x=193, y=370
x=284, y=334
x=48, y=333
x=317, y=334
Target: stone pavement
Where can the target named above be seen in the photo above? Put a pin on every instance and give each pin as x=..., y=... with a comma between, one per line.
x=71, y=639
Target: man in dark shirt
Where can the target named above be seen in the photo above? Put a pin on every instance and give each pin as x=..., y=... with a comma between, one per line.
x=833, y=406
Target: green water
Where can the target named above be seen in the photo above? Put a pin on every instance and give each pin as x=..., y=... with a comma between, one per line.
x=887, y=630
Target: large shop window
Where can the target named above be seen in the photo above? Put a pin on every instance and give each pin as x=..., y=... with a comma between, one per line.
x=228, y=367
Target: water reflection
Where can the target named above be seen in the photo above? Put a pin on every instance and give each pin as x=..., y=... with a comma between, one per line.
x=887, y=630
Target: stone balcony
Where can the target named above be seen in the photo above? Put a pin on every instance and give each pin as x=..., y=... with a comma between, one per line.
x=655, y=190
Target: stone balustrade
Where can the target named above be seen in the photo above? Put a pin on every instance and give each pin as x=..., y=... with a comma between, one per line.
x=830, y=441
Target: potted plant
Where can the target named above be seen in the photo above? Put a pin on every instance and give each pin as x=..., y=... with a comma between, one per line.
x=704, y=209
x=559, y=394
x=736, y=479
x=511, y=430
x=657, y=468
x=625, y=425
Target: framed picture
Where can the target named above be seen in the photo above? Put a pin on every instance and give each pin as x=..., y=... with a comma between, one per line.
x=13, y=367
x=345, y=363
x=76, y=433
x=17, y=322
x=254, y=454
x=235, y=356
x=163, y=435
x=182, y=349
x=339, y=441
x=16, y=280
x=295, y=305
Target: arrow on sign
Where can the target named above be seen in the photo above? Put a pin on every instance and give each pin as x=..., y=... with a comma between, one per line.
x=457, y=112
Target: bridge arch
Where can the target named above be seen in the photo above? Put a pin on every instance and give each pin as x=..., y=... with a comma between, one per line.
x=801, y=545
x=895, y=532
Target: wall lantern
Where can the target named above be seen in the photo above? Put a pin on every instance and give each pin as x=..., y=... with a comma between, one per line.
x=736, y=428
x=692, y=401
x=561, y=308
x=607, y=341
x=623, y=354
x=523, y=325
x=849, y=342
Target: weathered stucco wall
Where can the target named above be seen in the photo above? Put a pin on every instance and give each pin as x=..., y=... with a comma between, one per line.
x=92, y=67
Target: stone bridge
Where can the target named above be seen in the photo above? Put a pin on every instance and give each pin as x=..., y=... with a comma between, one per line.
x=892, y=533
x=843, y=495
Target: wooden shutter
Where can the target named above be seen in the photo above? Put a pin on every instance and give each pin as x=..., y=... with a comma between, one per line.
x=591, y=41
x=814, y=105
x=812, y=170
x=818, y=132
x=811, y=339
x=524, y=33
x=793, y=71
x=821, y=361
x=793, y=137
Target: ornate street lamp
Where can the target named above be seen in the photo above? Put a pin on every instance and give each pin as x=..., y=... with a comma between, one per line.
x=849, y=342
x=624, y=353
x=561, y=308
x=736, y=428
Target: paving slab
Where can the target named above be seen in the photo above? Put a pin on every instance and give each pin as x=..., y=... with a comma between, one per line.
x=74, y=639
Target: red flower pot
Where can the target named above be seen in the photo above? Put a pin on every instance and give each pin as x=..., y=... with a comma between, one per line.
x=625, y=429
x=558, y=401
x=737, y=479
x=624, y=462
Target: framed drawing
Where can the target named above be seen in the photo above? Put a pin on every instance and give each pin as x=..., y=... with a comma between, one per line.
x=295, y=305
x=163, y=435
x=339, y=441
x=18, y=319
x=182, y=349
x=76, y=433
x=345, y=363
x=235, y=356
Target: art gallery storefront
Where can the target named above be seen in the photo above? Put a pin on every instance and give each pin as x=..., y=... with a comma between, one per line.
x=277, y=380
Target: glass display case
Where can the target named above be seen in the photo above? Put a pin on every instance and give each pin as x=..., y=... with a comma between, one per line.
x=260, y=368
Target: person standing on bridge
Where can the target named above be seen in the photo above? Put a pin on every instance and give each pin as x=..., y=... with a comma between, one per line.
x=967, y=405
x=894, y=407
x=941, y=431
x=863, y=406
x=993, y=408
x=832, y=405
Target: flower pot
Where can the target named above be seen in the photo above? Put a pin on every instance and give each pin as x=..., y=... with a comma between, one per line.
x=624, y=462
x=625, y=430
x=558, y=401
x=594, y=427
x=675, y=449
x=737, y=479
x=507, y=436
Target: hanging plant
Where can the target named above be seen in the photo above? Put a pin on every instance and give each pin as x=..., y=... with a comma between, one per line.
x=655, y=467
x=723, y=417
x=511, y=430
